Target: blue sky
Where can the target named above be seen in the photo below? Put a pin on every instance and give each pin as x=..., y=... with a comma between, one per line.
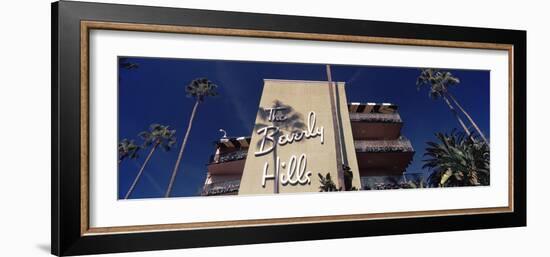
x=155, y=93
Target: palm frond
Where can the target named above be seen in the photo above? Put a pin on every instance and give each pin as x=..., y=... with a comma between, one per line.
x=200, y=88
x=439, y=81
x=456, y=160
x=159, y=134
x=127, y=149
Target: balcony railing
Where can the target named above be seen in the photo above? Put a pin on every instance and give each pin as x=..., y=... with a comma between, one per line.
x=374, y=146
x=220, y=188
x=232, y=156
x=405, y=181
x=376, y=117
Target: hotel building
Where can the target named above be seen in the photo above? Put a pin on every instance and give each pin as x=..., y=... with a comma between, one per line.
x=383, y=153
x=307, y=128
x=226, y=165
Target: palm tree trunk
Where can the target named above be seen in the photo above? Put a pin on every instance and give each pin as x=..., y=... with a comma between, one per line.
x=180, y=155
x=453, y=110
x=469, y=118
x=141, y=170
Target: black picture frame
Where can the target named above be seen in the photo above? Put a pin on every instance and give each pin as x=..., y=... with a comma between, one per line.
x=66, y=235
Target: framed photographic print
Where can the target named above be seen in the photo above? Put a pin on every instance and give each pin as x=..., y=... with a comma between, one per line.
x=177, y=128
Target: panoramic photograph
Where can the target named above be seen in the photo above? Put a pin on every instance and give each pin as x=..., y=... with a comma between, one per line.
x=193, y=127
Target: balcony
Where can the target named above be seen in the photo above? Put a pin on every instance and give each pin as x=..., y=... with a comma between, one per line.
x=221, y=188
x=376, y=117
x=374, y=146
x=381, y=182
x=228, y=163
x=375, y=126
x=404, y=181
x=231, y=156
x=383, y=157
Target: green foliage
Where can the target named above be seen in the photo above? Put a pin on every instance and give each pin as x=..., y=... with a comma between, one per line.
x=439, y=81
x=348, y=179
x=327, y=185
x=201, y=88
x=124, y=63
x=456, y=160
x=416, y=181
x=159, y=134
x=127, y=149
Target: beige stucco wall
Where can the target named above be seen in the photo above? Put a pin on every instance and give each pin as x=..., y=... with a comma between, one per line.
x=303, y=97
x=348, y=136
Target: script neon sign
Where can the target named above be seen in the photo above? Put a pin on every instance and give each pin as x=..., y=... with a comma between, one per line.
x=293, y=172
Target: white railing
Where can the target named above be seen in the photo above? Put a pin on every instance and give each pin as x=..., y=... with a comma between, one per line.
x=404, y=181
x=224, y=187
x=399, y=145
x=373, y=117
x=232, y=156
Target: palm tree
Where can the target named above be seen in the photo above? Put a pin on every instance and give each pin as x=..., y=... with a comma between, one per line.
x=439, y=82
x=457, y=160
x=468, y=117
x=124, y=63
x=199, y=89
x=127, y=149
x=158, y=135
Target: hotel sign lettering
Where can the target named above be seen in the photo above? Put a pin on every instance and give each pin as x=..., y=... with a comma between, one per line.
x=269, y=133
x=293, y=172
x=294, y=139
